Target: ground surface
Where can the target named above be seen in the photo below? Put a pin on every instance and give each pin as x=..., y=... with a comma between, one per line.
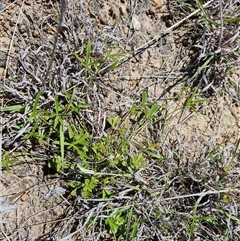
x=189, y=136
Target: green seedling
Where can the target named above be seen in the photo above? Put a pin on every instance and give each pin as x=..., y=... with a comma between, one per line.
x=79, y=143
x=137, y=161
x=113, y=121
x=93, y=65
x=191, y=103
x=89, y=185
x=145, y=113
x=123, y=223
x=58, y=164
x=7, y=160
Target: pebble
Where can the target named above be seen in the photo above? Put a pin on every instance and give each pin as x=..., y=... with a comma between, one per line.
x=25, y=197
x=125, y=30
x=102, y=20
x=136, y=23
x=158, y=4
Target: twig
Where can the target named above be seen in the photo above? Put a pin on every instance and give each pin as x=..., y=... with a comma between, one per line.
x=62, y=10
x=5, y=235
x=221, y=28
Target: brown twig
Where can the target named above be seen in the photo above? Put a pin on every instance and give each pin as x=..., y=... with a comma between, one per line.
x=62, y=10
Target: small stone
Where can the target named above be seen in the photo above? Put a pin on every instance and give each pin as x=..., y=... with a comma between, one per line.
x=125, y=30
x=102, y=20
x=158, y=5
x=24, y=197
x=135, y=22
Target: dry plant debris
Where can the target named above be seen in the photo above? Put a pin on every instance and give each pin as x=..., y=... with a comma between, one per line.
x=120, y=120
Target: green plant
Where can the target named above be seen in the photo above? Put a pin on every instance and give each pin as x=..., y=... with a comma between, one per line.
x=6, y=160
x=144, y=113
x=93, y=63
x=123, y=223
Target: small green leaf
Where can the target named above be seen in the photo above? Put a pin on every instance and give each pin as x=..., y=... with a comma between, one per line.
x=137, y=161
x=6, y=161
x=74, y=192
x=113, y=225
x=150, y=153
x=70, y=132
x=17, y=108
x=113, y=121
x=129, y=219
x=114, y=65
x=61, y=141
x=88, y=52
x=89, y=186
x=83, y=105
x=136, y=188
x=150, y=113
x=36, y=102
x=134, y=230
x=144, y=97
